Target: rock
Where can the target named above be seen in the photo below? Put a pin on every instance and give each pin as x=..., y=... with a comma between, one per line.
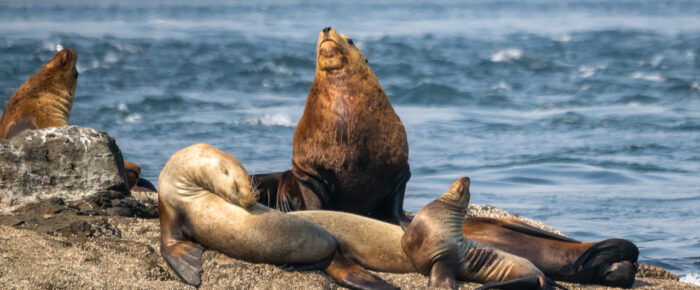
x=50, y=170
x=74, y=251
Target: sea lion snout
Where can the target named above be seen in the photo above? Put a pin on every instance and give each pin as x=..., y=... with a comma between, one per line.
x=65, y=59
x=458, y=192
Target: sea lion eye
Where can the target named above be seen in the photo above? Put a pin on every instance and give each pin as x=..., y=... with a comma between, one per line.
x=366, y=61
x=350, y=41
x=76, y=74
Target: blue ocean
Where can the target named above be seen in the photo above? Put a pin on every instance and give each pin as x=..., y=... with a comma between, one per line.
x=582, y=114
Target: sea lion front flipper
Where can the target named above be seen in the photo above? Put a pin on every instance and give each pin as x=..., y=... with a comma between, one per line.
x=349, y=274
x=525, y=282
x=443, y=274
x=25, y=123
x=395, y=201
x=185, y=258
x=522, y=227
x=183, y=255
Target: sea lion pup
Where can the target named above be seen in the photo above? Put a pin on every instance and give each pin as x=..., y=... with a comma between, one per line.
x=206, y=200
x=377, y=245
x=436, y=247
x=350, y=151
x=45, y=99
x=611, y=262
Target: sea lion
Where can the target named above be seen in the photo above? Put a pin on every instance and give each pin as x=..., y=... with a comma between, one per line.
x=436, y=247
x=45, y=99
x=206, y=199
x=350, y=151
x=133, y=173
x=611, y=262
x=378, y=246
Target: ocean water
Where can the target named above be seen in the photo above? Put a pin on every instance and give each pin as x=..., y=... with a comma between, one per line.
x=585, y=114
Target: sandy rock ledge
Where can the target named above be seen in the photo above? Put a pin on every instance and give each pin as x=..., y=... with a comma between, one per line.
x=67, y=250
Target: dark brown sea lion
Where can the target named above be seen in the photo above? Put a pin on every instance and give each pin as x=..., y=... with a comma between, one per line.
x=611, y=262
x=436, y=247
x=45, y=99
x=133, y=173
x=350, y=151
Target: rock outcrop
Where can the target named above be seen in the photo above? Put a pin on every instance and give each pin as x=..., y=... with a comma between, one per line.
x=50, y=170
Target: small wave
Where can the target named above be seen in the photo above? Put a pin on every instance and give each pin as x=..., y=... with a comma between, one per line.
x=507, y=55
x=271, y=120
x=648, y=77
x=693, y=278
x=133, y=118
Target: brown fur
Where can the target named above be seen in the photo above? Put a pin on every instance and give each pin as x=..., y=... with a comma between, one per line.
x=436, y=248
x=350, y=151
x=611, y=262
x=133, y=171
x=45, y=99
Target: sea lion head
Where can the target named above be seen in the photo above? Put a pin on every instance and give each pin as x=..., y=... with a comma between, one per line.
x=133, y=171
x=458, y=194
x=61, y=70
x=336, y=53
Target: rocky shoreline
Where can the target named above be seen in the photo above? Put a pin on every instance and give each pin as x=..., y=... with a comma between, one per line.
x=69, y=221
x=69, y=250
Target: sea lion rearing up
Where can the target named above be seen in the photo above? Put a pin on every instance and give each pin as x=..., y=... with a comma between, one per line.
x=436, y=247
x=206, y=199
x=350, y=151
x=45, y=99
x=432, y=244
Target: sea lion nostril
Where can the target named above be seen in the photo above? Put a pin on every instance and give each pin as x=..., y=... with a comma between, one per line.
x=327, y=29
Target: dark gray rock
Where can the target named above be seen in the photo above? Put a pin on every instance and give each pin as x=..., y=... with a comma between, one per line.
x=60, y=166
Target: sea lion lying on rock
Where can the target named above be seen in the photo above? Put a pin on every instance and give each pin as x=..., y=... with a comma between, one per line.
x=206, y=200
x=350, y=151
x=611, y=262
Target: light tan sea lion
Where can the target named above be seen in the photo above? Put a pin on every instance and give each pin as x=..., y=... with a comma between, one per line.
x=45, y=99
x=436, y=247
x=206, y=199
x=350, y=151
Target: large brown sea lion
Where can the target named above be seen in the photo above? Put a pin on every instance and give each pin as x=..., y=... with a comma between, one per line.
x=436, y=247
x=206, y=199
x=45, y=99
x=350, y=151
x=611, y=262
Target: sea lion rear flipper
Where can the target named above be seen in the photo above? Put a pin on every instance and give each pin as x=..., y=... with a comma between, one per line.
x=519, y=226
x=349, y=274
x=146, y=184
x=24, y=123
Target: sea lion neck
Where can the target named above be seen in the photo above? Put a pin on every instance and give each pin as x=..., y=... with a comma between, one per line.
x=349, y=87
